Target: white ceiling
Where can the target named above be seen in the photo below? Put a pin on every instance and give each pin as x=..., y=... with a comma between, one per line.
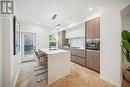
x=68, y=11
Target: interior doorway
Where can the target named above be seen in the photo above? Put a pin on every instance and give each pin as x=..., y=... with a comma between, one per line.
x=28, y=42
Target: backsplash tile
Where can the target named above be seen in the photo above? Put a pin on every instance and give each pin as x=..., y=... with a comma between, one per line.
x=77, y=42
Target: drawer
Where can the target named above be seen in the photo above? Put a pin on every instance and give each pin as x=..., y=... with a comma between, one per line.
x=78, y=60
x=77, y=52
x=74, y=58
x=81, y=61
x=73, y=52
x=81, y=53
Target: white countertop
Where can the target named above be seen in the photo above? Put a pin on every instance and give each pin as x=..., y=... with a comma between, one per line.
x=81, y=48
x=93, y=50
x=53, y=51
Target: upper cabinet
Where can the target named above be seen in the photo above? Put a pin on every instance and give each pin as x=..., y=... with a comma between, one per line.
x=92, y=28
x=76, y=31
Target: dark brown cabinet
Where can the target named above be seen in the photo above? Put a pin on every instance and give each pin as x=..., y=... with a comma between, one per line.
x=97, y=31
x=78, y=60
x=78, y=52
x=78, y=56
x=92, y=28
x=93, y=60
x=92, y=33
x=61, y=39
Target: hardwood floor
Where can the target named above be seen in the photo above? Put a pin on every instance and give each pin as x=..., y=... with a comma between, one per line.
x=125, y=83
x=79, y=77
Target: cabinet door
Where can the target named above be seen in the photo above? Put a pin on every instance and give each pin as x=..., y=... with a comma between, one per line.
x=97, y=67
x=97, y=29
x=93, y=60
x=92, y=28
x=74, y=59
x=90, y=63
x=86, y=29
x=88, y=34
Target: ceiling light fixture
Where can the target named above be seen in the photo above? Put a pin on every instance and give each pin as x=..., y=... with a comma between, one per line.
x=55, y=27
x=90, y=9
x=54, y=17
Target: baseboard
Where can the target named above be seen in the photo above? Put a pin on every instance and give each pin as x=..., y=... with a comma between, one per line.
x=110, y=81
x=14, y=84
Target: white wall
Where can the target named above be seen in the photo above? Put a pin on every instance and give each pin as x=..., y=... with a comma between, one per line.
x=94, y=15
x=6, y=52
x=42, y=34
x=1, y=53
x=110, y=57
x=15, y=60
x=11, y=63
x=15, y=68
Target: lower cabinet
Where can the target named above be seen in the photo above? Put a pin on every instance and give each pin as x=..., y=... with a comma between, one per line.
x=77, y=59
x=93, y=60
x=88, y=58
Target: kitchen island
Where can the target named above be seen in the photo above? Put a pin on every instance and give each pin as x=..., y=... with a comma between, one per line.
x=58, y=64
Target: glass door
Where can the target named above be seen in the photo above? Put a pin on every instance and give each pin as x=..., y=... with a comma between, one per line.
x=28, y=45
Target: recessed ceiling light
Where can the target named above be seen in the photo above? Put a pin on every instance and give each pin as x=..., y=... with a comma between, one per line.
x=90, y=9
x=72, y=25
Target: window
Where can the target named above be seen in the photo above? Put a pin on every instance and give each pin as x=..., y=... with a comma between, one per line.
x=52, y=41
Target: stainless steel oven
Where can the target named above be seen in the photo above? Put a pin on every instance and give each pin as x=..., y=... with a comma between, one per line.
x=93, y=45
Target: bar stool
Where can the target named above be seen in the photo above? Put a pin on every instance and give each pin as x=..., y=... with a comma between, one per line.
x=42, y=66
